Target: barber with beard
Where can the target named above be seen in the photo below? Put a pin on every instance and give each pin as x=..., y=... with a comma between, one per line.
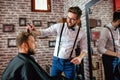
x=68, y=35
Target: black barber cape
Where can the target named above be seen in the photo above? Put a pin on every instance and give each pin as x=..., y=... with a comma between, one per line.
x=24, y=67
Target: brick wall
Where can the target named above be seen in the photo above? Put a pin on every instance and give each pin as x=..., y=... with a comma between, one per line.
x=10, y=12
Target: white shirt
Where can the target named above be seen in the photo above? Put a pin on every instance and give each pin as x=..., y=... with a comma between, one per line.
x=67, y=39
x=106, y=41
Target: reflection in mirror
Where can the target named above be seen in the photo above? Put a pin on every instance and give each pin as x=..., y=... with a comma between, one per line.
x=98, y=17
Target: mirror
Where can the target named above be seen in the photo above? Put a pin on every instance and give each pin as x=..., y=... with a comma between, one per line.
x=95, y=26
x=96, y=18
x=87, y=12
x=40, y=5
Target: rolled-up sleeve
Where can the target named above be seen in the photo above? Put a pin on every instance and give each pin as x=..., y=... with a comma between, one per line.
x=103, y=40
x=83, y=43
x=49, y=31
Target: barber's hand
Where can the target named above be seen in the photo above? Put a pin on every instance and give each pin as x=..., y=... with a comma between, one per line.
x=118, y=55
x=30, y=28
x=76, y=60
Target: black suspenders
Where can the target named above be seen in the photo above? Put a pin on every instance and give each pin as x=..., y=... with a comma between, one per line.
x=112, y=38
x=75, y=41
x=60, y=41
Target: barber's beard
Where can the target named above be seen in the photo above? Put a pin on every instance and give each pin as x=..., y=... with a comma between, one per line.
x=71, y=26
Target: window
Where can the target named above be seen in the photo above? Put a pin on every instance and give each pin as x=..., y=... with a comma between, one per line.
x=40, y=5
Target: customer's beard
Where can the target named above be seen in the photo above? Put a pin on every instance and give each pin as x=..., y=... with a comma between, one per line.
x=31, y=52
x=119, y=26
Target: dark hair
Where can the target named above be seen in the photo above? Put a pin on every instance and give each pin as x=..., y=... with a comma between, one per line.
x=22, y=37
x=116, y=15
x=76, y=10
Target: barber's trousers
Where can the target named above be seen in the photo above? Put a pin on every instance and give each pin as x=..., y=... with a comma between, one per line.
x=110, y=65
x=63, y=65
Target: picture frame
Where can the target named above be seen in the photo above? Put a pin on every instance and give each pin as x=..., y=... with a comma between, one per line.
x=92, y=23
x=41, y=37
x=11, y=42
x=41, y=5
x=48, y=67
x=51, y=23
x=22, y=21
x=99, y=23
x=95, y=65
x=52, y=43
x=37, y=23
x=8, y=27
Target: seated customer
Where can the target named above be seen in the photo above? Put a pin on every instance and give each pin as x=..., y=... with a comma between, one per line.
x=23, y=65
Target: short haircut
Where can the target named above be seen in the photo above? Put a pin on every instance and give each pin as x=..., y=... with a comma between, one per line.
x=116, y=15
x=22, y=37
x=76, y=10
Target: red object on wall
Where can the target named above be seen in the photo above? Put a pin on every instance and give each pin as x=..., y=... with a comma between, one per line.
x=95, y=35
x=116, y=5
